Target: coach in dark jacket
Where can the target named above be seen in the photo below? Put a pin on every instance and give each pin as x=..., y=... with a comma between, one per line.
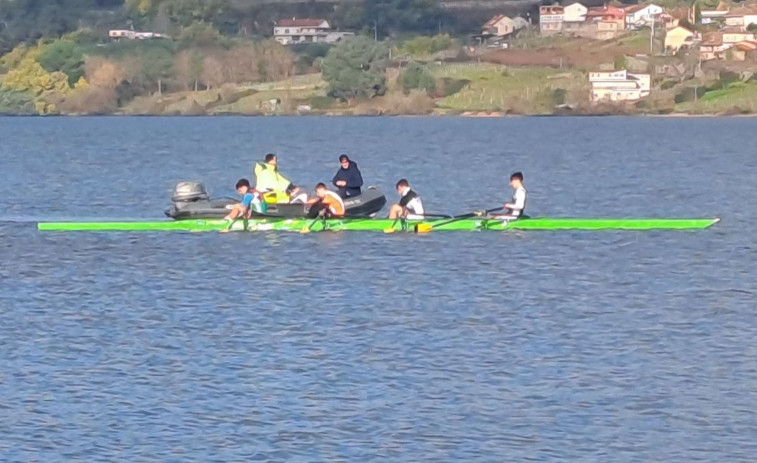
x=348, y=178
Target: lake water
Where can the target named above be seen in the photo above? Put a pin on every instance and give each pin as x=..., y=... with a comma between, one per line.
x=352, y=347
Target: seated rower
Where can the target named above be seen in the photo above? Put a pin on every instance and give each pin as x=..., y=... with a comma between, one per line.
x=251, y=202
x=328, y=204
x=514, y=210
x=410, y=206
x=348, y=178
x=271, y=183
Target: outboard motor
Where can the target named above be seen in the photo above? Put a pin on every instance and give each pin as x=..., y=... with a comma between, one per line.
x=190, y=201
x=185, y=192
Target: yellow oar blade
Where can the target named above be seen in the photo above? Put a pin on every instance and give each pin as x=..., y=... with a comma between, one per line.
x=423, y=228
x=389, y=230
x=305, y=230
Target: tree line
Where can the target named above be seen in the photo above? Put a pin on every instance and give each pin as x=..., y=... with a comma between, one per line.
x=29, y=20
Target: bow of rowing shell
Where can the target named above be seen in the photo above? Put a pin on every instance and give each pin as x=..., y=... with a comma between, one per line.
x=383, y=224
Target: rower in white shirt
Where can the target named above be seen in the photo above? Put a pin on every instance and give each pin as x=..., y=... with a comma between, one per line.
x=514, y=209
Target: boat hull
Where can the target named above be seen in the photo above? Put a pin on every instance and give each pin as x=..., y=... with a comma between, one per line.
x=379, y=225
x=370, y=202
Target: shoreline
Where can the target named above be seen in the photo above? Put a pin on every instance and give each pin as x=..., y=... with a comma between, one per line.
x=466, y=115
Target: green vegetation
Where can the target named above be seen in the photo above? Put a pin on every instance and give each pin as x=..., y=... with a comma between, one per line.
x=15, y=102
x=355, y=69
x=417, y=76
x=64, y=56
x=514, y=90
x=733, y=98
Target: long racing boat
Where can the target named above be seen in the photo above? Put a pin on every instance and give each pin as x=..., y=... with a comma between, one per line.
x=386, y=225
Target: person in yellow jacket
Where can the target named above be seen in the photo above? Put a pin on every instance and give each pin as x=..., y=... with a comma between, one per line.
x=272, y=184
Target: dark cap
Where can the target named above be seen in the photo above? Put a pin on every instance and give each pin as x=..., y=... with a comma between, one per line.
x=344, y=157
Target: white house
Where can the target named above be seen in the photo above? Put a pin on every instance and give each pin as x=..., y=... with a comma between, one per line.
x=642, y=15
x=713, y=16
x=306, y=30
x=575, y=12
x=619, y=86
x=741, y=16
x=134, y=35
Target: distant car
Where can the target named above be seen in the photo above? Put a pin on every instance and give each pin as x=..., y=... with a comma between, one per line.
x=499, y=45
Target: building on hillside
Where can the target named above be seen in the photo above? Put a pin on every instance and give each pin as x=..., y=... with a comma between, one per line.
x=736, y=34
x=118, y=34
x=741, y=16
x=607, y=30
x=672, y=17
x=677, y=38
x=503, y=26
x=619, y=86
x=574, y=13
x=306, y=30
x=713, y=16
x=642, y=15
x=551, y=19
x=741, y=50
x=607, y=14
x=714, y=46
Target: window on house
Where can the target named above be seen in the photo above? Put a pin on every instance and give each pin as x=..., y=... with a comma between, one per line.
x=286, y=31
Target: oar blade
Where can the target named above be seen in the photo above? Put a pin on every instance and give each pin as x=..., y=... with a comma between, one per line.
x=423, y=227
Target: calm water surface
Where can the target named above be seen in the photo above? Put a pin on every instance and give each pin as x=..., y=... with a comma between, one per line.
x=485, y=347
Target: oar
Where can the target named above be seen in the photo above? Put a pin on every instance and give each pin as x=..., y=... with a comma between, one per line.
x=391, y=229
x=228, y=229
x=306, y=228
x=427, y=227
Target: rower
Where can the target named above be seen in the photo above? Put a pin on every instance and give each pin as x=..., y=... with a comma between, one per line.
x=514, y=210
x=348, y=178
x=274, y=186
x=410, y=205
x=251, y=202
x=328, y=204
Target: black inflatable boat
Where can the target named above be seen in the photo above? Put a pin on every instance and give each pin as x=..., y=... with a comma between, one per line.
x=190, y=200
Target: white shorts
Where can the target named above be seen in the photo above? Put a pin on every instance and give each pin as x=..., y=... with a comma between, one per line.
x=414, y=217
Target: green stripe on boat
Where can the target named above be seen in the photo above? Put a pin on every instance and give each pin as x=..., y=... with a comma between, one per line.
x=379, y=225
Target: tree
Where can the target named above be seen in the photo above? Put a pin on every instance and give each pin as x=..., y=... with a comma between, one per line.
x=697, y=14
x=200, y=34
x=417, y=76
x=355, y=68
x=64, y=56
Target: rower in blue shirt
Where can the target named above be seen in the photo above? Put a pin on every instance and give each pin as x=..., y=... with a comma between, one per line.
x=251, y=202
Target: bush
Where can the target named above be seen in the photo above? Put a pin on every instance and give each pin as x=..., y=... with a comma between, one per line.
x=620, y=62
x=64, y=56
x=16, y=103
x=558, y=96
x=668, y=84
x=689, y=94
x=417, y=76
x=447, y=86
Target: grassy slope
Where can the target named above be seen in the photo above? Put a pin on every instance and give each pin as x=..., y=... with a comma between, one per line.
x=496, y=88
x=737, y=97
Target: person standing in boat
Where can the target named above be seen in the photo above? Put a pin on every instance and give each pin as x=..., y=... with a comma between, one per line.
x=410, y=205
x=348, y=178
x=328, y=204
x=274, y=186
x=514, y=209
x=251, y=202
